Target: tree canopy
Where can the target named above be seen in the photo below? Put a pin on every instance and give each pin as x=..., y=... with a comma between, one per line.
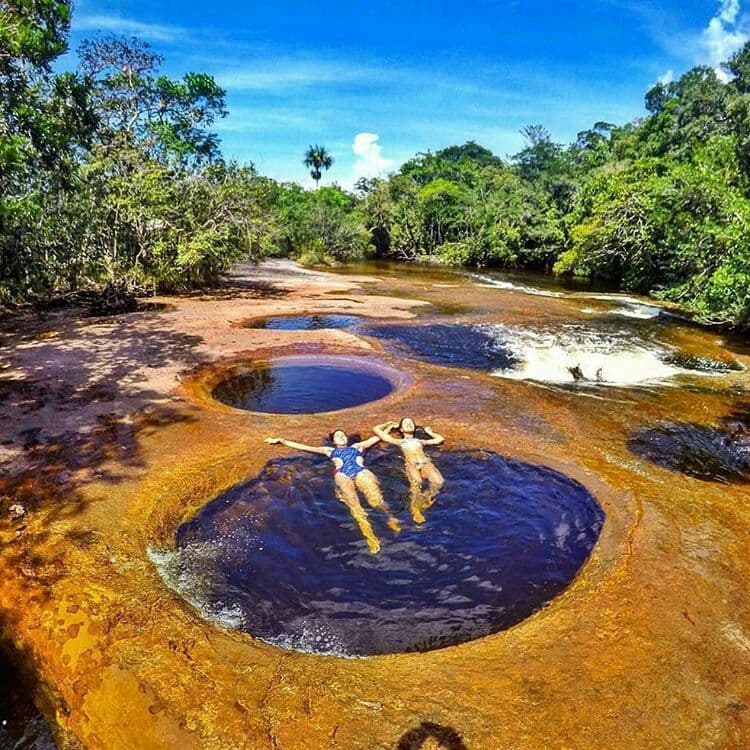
x=112, y=175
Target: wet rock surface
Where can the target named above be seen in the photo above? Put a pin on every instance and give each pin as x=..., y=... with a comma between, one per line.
x=110, y=453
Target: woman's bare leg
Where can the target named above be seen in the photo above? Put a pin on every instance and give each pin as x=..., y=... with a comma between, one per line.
x=435, y=479
x=367, y=483
x=416, y=499
x=346, y=492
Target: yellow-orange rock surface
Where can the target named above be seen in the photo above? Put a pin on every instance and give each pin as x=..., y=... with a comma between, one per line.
x=111, y=440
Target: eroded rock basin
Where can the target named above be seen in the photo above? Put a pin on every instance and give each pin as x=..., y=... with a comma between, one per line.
x=282, y=559
x=712, y=453
x=305, y=385
x=310, y=322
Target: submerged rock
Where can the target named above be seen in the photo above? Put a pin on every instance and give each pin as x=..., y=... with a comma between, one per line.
x=16, y=512
x=713, y=454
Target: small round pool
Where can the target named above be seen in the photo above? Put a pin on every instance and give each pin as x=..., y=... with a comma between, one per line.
x=305, y=385
x=304, y=322
x=282, y=559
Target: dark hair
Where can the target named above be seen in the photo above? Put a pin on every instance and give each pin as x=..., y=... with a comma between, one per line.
x=352, y=437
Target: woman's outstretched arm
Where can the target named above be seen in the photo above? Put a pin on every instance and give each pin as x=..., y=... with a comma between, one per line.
x=383, y=431
x=363, y=445
x=323, y=450
x=435, y=439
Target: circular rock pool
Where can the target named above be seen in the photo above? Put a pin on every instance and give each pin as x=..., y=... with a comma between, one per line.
x=305, y=385
x=282, y=559
x=303, y=322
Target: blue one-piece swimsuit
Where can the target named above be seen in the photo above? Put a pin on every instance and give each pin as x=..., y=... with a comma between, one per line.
x=348, y=456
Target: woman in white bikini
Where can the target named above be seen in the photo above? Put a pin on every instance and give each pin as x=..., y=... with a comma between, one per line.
x=419, y=467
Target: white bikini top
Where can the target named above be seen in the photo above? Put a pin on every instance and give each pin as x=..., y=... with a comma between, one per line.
x=411, y=440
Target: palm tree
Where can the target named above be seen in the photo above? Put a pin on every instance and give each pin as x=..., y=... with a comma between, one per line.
x=317, y=158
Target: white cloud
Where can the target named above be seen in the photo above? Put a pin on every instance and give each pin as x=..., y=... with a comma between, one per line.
x=298, y=72
x=725, y=34
x=729, y=11
x=666, y=78
x=120, y=25
x=370, y=161
x=259, y=118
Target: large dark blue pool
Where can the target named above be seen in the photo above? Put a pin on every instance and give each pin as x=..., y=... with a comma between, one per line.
x=280, y=557
x=453, y=344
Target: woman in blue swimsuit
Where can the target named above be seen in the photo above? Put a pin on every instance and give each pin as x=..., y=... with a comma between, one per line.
x=351, y=475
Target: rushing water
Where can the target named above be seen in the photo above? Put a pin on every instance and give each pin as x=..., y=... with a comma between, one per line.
x=572, y=353
x=281, y=558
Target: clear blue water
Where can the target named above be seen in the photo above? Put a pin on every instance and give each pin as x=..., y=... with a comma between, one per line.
x=285, y=387
x=287, y=560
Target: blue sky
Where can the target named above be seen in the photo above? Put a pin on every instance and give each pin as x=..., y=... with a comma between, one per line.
x=378, y=82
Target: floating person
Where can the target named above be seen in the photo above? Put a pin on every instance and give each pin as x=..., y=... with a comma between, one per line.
x=419, y=467
x=350, y=475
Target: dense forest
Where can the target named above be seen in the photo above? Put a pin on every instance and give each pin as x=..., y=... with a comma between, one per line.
x=111, y=178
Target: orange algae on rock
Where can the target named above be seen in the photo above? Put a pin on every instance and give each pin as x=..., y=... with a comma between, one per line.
x=111, y=444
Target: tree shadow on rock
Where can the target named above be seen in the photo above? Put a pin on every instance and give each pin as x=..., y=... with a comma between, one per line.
x=239, y=287
x=75, y=407
x=446, y=738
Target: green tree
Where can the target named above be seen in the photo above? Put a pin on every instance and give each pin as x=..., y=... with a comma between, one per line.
x=44, y=120
x=472, y=151
x=320, y=227
x=546, y=164
x=316, y=159
x=169, y=119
